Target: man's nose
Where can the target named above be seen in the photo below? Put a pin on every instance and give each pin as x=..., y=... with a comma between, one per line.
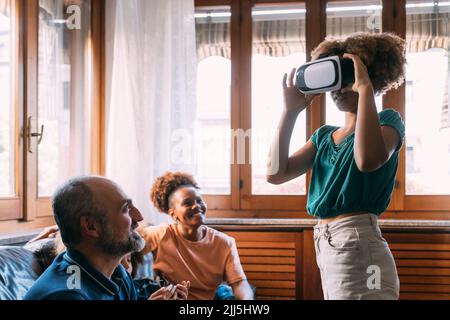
x=135, y=214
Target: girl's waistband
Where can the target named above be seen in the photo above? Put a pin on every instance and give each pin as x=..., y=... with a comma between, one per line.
x=366, y=219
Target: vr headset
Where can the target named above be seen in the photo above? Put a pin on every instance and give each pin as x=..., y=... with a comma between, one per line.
x=325, y=74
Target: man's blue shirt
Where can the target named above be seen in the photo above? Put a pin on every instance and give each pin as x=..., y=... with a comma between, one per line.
x=59, y=281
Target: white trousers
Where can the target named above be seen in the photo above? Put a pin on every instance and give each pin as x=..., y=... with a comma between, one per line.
x=355, y=261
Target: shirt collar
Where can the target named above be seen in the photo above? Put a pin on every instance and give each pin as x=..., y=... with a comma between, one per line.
x=108, y=285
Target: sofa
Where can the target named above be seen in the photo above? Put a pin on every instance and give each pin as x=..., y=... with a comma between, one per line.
x=20, y=266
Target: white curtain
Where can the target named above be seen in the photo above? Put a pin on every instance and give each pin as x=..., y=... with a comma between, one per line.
x=151, y=71
x=5, y=7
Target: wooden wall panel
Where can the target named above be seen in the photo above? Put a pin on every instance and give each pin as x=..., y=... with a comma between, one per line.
x=423, y=264
x=282, y=265
x=269, y=261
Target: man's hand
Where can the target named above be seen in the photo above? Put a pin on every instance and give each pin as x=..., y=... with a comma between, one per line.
x=172, y=292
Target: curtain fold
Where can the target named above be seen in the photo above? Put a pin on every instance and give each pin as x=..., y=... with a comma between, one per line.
x=50, y=52
x=5, y=7
x=445, y=117
x=151, y=59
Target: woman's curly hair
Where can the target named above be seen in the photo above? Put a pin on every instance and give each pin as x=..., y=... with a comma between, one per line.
x=165, y=185
x=383, y=54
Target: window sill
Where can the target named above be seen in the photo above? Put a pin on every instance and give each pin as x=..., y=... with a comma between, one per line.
x=385, y=224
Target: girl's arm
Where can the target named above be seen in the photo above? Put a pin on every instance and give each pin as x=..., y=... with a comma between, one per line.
x=281, y=167
x=242, y=290
x=374, y=145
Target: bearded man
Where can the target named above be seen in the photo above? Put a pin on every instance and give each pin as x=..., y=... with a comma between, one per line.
x=98, y=225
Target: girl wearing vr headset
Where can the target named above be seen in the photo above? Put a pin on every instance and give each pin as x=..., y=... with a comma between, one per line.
x=353, y=168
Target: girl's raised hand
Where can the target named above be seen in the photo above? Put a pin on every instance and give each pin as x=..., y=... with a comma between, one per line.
x=294, y=100
x=362, y=79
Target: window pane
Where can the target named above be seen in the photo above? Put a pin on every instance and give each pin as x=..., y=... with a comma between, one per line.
x=343, y=19
x=64, y=100
x=278, y=46
x=213, y=122
x=7, y=102
x=427, y=86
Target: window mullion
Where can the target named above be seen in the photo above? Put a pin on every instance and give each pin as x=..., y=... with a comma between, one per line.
x=245, y=97
x=394, y=20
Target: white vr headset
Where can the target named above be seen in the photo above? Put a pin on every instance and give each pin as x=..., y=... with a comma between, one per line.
x=325, y=74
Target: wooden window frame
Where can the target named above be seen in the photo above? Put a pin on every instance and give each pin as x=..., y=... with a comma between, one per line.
x=10, y=206
x=221, y=203
x=27, y=211
x=243, y=203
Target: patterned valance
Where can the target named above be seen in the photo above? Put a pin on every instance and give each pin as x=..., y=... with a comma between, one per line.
x=213, y=39
x=279, y=38
x=283, y=37
x=426, y=31
x=274, y=38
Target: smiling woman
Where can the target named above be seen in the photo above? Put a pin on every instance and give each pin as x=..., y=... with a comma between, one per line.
x=203, y=256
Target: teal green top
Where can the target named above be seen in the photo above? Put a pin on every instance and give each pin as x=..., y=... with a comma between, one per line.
x=337, y=186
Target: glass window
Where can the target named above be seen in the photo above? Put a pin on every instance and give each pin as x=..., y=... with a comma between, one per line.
x=427, y=86
x=64, y=97
x=213, y=122
x=278, y=46
x=8, y=63
x=343, y=19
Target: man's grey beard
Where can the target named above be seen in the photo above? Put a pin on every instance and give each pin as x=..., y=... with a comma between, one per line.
x=111, y=246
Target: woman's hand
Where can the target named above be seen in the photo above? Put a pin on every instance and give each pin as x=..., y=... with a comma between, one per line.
x=182, y=290
x=294, y=100
x=49, y=232
x=165, y=293
x=362, y=80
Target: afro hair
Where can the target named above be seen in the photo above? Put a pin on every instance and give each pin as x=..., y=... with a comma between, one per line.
x=165, y=185
x=383, y=54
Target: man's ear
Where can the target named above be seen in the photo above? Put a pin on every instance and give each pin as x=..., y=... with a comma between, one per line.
x=90, y=227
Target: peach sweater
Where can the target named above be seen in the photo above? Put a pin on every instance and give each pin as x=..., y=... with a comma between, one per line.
x=205, y=263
